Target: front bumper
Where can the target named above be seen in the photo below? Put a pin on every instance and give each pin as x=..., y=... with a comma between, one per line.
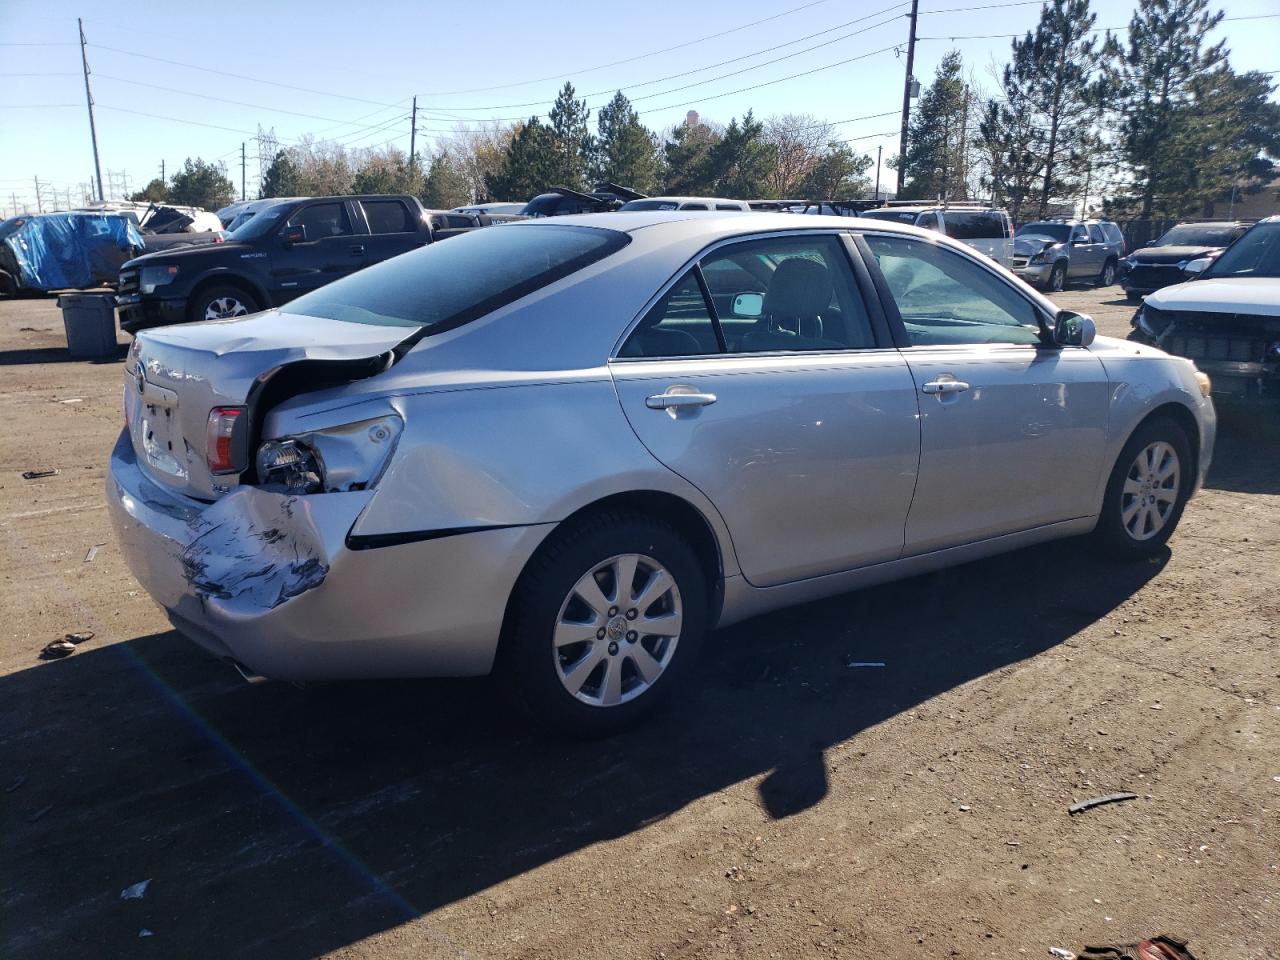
x=267, y=580
x=1036, y=274
x=137, y=313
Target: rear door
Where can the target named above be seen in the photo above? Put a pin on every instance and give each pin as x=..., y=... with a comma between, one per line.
x=1084, y=253
x=782, y=400
x=394, y=228
x=332, y=249
x=1011, y=431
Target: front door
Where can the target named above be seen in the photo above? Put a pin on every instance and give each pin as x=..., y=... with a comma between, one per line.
x=332, y=249
x=782, y=403
x=1011, y=431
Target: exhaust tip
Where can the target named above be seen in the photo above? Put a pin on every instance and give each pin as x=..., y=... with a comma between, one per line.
x=248, y=675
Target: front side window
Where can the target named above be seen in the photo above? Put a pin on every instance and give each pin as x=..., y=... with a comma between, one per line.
x=678, y=325
x=387, y=216
x=787, y=294
x=944, y=298
x=323, y=220
x=444, y=285
x=1079, y=234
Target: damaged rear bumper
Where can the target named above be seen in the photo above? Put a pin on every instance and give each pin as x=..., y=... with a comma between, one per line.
x=267, y=580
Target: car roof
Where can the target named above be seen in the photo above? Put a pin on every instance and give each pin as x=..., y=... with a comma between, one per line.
x=713, y=224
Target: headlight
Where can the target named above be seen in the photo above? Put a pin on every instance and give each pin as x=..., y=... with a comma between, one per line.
x=1150, y=320
x=151, y=277
x=347, y=457
x=1131, y=261
x=1204, y=383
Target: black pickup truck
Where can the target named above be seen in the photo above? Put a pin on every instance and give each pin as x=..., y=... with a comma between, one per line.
x=283, y=252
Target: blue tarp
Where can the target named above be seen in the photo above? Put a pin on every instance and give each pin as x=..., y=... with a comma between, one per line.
x=58, y=251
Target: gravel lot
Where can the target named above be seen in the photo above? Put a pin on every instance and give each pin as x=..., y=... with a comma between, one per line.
x=791, y=807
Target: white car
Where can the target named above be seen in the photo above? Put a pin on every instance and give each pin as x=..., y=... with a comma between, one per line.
x=1228, y=320
x=684, y=203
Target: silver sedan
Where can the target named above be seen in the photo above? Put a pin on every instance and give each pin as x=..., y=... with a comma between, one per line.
x=564, y=450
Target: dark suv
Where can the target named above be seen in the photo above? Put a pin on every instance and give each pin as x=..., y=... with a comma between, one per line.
x=1163, y=262
x=286, y=250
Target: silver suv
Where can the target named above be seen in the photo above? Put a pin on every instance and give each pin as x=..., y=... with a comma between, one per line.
x=1048, y=253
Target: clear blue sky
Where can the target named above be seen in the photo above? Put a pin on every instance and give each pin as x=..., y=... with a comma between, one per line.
x=361, y=64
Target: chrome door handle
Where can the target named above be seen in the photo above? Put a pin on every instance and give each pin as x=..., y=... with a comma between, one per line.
x=944, y=386
x=672, y=401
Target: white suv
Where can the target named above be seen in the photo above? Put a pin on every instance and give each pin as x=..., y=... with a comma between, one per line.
x=984, y=228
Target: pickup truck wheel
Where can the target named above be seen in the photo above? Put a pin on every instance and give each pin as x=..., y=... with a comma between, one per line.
x=1057, y=278
x=1148, y=488
x=1108, y=275
x=222, y=301
x=604, y=624
x=8, y=288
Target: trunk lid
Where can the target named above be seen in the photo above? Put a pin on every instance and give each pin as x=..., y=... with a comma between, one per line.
x=175, y=375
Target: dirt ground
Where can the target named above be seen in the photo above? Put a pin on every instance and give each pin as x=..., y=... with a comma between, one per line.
x=791, y=806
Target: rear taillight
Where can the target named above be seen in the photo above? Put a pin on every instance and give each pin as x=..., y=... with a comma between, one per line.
x=226, y=443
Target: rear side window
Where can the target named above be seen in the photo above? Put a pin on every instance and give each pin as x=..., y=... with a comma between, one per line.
x=980, y=225
x=1095, y=234
x=387, y=216
x=928, y=221
x=323, y=220
x=444, y=285
x=678, y=325
x=694, y=206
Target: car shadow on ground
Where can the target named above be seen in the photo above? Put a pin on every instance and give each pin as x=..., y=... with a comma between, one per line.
x=283, y=823
x=14, y=358
x=1246, y=458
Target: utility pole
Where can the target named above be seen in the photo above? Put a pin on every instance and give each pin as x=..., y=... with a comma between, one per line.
x=242, y=193
x=88, y=96
x=39, y=207
x=14, y=197
x=906, y=98
x=413, y=134
x=962, y=161
x=879, y=150
x=162, y=179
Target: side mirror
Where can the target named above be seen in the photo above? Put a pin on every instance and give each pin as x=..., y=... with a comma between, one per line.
x=748, y=305
x=1196, y=267
x=292, y=235
x=1072, y=329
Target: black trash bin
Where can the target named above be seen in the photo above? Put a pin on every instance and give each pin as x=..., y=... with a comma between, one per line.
x=90, y=322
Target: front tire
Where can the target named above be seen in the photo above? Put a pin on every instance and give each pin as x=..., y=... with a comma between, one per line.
x=604, y=624
x=1057, y=278
x=1148, y=488
x=222, y=301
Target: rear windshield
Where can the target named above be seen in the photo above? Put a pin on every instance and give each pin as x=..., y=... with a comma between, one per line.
x=1198, y=235
x=1256, y=254
x=446, y=284
x=896, y=216
x=1054, y=231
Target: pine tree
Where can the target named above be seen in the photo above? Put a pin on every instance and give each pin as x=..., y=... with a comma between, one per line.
x=625, y=151
x=688, y=160
x=200, y=184
x=741, y=162
x=446, y=184
x=936, y=165
x=1051, y=88
x=281, y=178
x=1005, y=144
x=1151, y=88
x=568, y=122
x=531, y=164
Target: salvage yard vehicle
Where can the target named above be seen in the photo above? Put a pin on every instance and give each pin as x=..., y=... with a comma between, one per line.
x=1164, y=262
x=1228, y=320
x=685, y=203
x=1048, y=253
x=981, y=226
x=564, y=202
x=286, y=250
x=59, y=251
x=563, y=450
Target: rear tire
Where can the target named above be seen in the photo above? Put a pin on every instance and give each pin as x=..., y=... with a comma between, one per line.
x=221, y=301
x=1131, y=297
x=575, y=653
x=1147, y=491
x=1108, y=275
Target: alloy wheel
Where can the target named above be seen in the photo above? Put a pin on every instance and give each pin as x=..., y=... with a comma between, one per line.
x=617, y=630
x=1057, y=279
x=221, y=308
x=1150, y=490
x=1108, y=274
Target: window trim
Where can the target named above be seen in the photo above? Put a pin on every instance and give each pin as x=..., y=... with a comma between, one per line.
x=894, y=316
x=696, y=261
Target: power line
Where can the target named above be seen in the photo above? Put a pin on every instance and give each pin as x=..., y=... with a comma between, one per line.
x=1006, y=36
x=640, y=56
